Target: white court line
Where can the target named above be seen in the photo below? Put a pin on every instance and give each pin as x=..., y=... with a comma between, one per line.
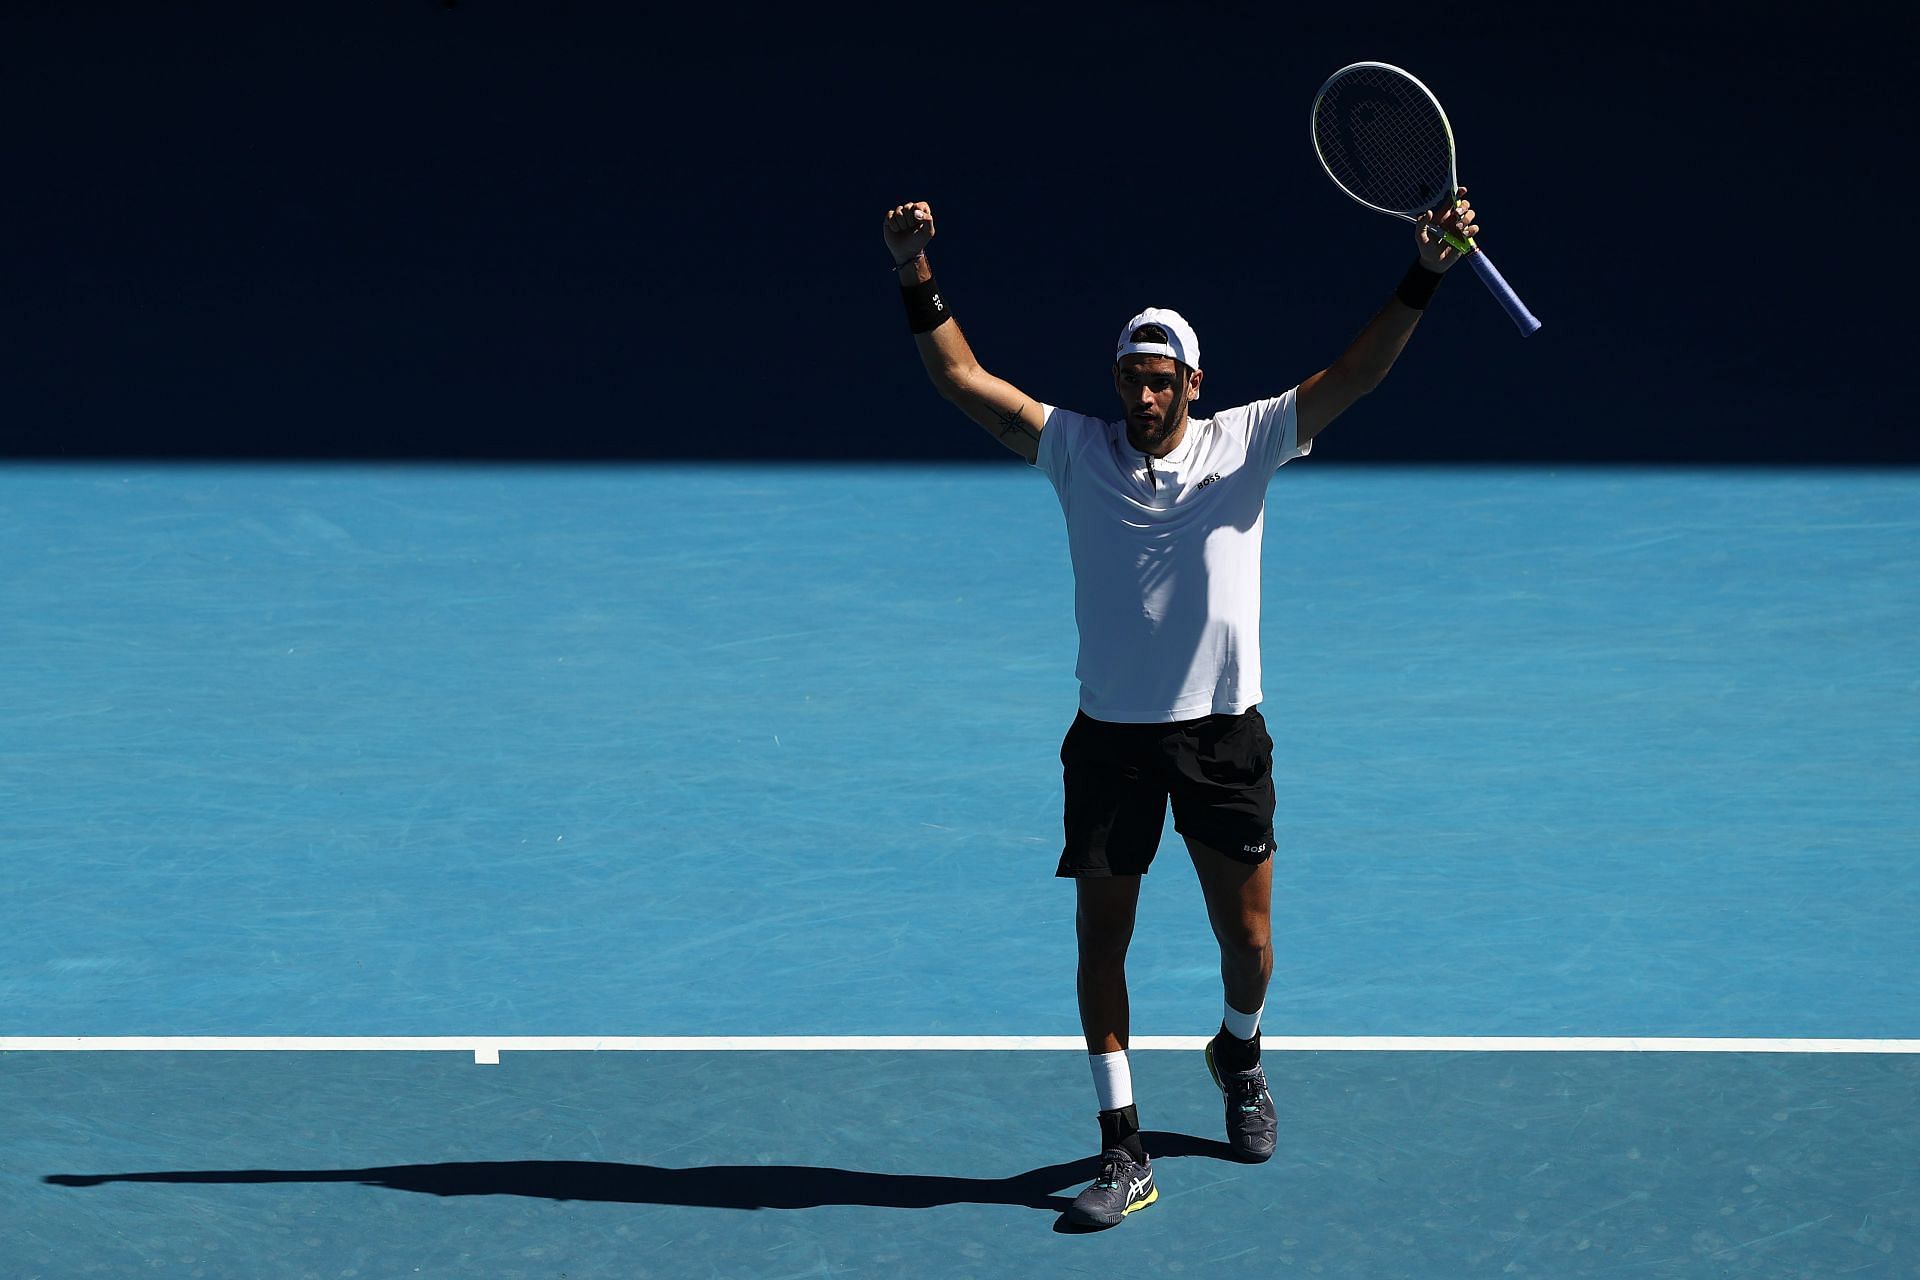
x=487, y=1049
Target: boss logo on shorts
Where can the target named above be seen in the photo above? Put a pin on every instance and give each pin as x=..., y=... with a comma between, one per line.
x=1254, y=848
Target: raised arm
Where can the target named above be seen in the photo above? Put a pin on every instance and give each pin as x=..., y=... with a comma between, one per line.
x=1010, y=415
x=1364, y=364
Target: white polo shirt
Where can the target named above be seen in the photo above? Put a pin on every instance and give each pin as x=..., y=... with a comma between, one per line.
x=1166, y=558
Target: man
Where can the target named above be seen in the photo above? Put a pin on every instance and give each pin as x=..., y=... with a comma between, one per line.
x=1164, y=514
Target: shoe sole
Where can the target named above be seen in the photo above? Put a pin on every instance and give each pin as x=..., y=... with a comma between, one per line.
x=1250, y=1157
x=1135, y=1207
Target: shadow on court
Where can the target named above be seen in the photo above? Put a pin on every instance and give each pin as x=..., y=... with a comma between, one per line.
x=727, y=1186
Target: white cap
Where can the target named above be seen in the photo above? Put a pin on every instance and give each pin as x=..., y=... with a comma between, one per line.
x=1182, y=344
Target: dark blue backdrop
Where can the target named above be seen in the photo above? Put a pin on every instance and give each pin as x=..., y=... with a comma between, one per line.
x=407, y=228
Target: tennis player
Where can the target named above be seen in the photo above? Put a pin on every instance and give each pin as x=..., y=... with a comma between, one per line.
x=1164, y=512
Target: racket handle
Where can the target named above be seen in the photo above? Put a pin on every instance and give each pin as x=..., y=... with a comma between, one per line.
x=1498, y=286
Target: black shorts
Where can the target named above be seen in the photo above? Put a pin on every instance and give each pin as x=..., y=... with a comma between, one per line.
x=1218, y=772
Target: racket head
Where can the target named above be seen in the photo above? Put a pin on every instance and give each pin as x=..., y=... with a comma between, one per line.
x=1383, y=139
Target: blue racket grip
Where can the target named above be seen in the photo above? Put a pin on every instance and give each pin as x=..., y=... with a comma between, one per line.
x=1498, y=286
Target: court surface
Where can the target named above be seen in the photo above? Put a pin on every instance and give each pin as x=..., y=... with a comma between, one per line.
x=483, y=753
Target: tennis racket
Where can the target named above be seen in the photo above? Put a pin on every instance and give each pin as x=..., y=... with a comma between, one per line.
x=1383, y=139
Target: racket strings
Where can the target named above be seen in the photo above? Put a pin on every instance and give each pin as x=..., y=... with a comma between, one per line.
x=1385, y=140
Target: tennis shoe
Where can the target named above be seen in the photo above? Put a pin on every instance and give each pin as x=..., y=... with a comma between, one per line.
x=1124, y=1185
x=1250, y=1118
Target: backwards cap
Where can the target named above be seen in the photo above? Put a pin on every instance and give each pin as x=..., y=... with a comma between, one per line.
x=1182, y=344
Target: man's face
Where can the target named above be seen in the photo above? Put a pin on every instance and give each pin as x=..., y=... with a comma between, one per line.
x=1152, y=393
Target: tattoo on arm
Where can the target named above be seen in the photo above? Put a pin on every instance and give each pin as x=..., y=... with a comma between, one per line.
x=1011, y=425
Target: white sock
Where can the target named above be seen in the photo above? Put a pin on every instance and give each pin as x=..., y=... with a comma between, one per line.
x=1242, y=1026
x=1112, y=1080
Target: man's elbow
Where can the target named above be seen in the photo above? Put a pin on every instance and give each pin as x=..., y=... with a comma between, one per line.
x=952, y=383
x=1344, y=388
x=1361, y=379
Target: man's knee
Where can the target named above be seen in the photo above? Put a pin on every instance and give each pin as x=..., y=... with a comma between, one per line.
x=1246, y=940
x=1103, y=949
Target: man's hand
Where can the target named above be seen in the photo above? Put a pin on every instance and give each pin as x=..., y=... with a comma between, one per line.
x=908, y=227
x=1437, y=253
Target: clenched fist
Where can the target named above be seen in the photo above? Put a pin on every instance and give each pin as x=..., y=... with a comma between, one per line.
x=908, y=227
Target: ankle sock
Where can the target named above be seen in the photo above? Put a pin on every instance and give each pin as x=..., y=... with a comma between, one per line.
x=1112, y=1079
x=1241, y=1026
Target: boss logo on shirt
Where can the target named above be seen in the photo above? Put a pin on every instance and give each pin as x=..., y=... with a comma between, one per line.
x=1204, y=483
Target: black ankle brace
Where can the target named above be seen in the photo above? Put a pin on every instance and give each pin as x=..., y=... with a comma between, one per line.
x=1233, y=1054
x=1121, y=1128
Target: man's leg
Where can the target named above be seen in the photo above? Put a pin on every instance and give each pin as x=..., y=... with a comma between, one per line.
x=1103, y=922
x=1240, y=906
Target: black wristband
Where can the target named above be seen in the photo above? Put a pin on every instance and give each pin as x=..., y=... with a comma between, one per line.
x=1417, y=286
x=926, y=309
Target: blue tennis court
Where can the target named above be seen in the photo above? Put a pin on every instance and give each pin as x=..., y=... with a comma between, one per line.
x=684, y=751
